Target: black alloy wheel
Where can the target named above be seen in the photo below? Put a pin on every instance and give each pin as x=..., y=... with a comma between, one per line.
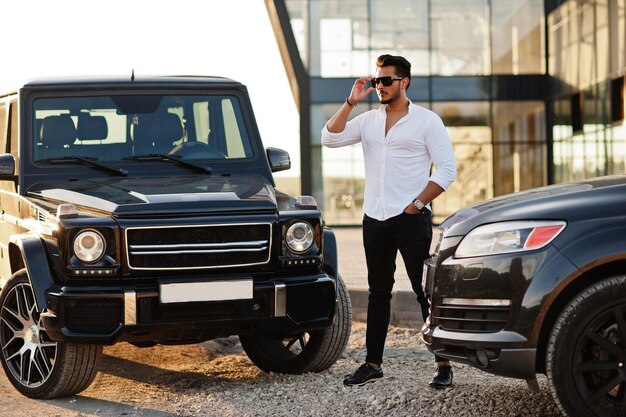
x=586, y=357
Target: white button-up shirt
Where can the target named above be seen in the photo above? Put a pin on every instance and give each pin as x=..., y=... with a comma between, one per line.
x=397, y=165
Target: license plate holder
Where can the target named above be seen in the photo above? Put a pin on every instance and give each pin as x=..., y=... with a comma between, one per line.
x=203, y=291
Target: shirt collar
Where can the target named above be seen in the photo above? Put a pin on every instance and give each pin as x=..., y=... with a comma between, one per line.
x=383, y=107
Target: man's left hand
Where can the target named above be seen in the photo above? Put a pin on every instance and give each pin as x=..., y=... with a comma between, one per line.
x=411, y=209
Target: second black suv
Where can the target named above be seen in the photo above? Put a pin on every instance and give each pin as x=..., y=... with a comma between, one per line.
x=535, y=282
x=145, y=211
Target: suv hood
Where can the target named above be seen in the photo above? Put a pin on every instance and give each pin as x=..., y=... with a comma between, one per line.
x=127, y=197
x=570, y=202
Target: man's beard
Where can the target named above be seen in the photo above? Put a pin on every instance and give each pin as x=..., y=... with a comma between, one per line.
x=389, y=99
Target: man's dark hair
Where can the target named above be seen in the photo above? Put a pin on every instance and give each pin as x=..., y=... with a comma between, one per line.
x=403, y=67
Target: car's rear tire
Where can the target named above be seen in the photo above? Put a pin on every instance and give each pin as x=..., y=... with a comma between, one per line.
x=586, y=354
x=35, y=365
x=313, y=351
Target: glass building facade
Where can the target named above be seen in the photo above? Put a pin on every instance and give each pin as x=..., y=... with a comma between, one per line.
x=531, y=91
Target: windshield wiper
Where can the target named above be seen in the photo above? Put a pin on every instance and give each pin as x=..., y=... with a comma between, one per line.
x=174, y=158
x=88, y=160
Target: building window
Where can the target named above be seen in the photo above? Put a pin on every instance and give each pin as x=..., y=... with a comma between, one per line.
x=517, y=37
x=468, y=124
x=400, y=27
x=519, y=146
x=460, y=37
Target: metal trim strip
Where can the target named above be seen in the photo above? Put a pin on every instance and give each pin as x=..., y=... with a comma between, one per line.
x=280, y=299
x=130, y=308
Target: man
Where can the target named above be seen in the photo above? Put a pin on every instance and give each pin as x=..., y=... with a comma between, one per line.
x=400, y=143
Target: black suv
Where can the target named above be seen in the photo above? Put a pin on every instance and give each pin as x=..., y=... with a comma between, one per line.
x=145, y=211
x=536, y=283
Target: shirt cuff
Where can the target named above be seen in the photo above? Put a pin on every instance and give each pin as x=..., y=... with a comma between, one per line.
x=442, y=182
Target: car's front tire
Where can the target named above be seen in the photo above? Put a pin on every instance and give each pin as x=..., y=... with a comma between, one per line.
x=35, y=365
x=313, y=351
x=586, y=355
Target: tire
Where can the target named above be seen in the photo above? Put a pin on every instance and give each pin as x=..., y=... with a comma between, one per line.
x=35, y=365
x=313, y=351
x=586, y=354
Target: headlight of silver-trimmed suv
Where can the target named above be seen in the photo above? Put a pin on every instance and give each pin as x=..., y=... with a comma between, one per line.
x=299, y=237
x=89, y=246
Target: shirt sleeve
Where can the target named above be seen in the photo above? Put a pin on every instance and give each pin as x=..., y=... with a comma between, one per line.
x=439, y=147
x=350, y=135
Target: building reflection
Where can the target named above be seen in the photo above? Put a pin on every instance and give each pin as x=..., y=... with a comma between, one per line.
x=531, y=91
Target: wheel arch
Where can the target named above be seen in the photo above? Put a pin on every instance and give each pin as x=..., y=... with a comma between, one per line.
x=331, y=265
x=16, y=260
x=575, y=285
x=29, y=252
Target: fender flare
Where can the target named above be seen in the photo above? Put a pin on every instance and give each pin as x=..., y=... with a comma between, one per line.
x=35, y=259
x=331, y=265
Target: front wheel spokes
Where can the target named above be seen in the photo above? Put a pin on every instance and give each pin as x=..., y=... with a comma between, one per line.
x=16, y=315
x=603, y=390
x=28, y=351
x=606, y=345
x=601, y=363
x=15, y=333
x=618, y=312
x=301, y=339
x=24, y=369
x=39, y=363
x=45, y=359
x=596, y=366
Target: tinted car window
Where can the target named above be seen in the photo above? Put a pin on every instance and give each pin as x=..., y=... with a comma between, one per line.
x=111, y=128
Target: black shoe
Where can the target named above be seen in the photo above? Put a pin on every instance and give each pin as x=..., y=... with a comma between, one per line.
x=442, y=378
x=366, y=373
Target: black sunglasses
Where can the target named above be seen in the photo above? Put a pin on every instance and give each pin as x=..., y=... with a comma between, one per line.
x=385, y=81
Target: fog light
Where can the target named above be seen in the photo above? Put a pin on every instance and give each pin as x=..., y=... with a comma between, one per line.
x=481, y=357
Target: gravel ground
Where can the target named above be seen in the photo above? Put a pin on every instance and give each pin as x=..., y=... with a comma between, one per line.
x=217, y=379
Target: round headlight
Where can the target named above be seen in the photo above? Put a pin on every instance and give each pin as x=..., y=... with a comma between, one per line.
x=89, y=246
x=299, y=237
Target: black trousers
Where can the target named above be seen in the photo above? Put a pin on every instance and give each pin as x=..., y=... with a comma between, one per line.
x=409, y=234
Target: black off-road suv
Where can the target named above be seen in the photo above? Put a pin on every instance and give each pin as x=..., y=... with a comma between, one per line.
x=535, y=282
x=145, y=211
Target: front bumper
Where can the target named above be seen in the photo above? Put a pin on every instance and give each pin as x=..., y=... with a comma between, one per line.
x=105, y=315
x=488, y=311
x=489, y=352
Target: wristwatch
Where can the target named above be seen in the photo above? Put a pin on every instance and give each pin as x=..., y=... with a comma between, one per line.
x=419, y=204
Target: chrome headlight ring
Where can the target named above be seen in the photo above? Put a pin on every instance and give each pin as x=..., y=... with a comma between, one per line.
x=299, y=237
x=89, y=246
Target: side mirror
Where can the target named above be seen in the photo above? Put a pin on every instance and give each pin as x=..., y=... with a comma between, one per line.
x=7, y=164
x=279, y=159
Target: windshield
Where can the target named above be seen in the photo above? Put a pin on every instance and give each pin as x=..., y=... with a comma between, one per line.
x=110, y=128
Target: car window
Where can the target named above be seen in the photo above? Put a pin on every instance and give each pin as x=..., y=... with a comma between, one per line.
x=112, y=128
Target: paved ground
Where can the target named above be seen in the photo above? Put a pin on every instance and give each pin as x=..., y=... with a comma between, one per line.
x=353, y=270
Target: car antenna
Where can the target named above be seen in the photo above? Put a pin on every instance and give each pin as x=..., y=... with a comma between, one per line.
x=132, y=75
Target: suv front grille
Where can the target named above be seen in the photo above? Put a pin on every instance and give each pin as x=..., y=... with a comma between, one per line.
x=198, y=247
x=480, y=319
